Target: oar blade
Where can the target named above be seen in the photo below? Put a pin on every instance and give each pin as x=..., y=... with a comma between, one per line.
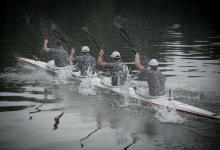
x=91, y=36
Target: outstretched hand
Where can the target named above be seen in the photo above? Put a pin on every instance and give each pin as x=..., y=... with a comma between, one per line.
x=137, y=55
x=101, y=52
x=137, y=62
x=46, y=41
x=100, y=61
x=45, y=46
x=72, y=51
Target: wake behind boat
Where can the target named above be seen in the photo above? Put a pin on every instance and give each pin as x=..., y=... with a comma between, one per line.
x=165, y=101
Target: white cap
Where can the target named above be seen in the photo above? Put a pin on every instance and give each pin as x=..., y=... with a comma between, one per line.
x=115, y=54
x=85, y=49
x=153, y=62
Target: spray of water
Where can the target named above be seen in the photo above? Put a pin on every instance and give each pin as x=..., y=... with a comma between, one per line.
x=168, y=113
x=165, y=114
x=86, y=86
x=63, y=73
x=124, y=88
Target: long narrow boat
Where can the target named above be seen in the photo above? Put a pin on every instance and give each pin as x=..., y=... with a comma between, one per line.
x=160, y=101
x=36, y=63
x=165, y=101
x=70, y=71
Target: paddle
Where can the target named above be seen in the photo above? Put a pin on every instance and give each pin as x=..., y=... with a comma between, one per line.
x=125, y=37
x=32, y=26
x=59, y=35
x=91, y=36
x=54, y=31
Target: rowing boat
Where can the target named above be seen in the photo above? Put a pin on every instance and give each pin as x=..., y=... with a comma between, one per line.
x=70, y=71
x=165, y=101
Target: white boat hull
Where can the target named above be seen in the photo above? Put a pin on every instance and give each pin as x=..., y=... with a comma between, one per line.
x=49, y=67
x=161, y=101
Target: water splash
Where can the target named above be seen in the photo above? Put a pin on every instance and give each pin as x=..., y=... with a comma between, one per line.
x=61, y=77
x=87, y=87
x=124, y=89
x=167, y=114
x=63, y=73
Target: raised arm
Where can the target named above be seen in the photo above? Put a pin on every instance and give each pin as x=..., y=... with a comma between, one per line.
x=45, y=47
x=138, y=62
x=100, y=61
x=71, y=56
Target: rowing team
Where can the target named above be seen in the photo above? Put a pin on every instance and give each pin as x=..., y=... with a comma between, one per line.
x=150, y=72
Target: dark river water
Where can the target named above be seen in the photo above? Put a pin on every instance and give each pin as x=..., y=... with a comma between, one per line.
x=184, y=36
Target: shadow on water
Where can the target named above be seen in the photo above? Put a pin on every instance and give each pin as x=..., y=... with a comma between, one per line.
x=81, y=140
x=57, y=121
x=12, y=108
x=134, y=140
x=46, y=100
x=37, y=109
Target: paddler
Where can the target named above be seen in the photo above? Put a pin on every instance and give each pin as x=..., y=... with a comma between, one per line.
x=156, y=80
x=58, y=54
x=86, y=62
x=118, y=70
